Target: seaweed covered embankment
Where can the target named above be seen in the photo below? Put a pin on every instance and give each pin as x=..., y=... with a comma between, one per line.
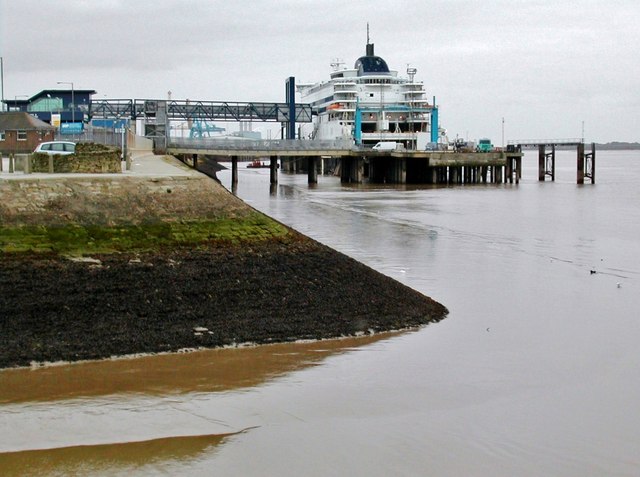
x=97, y=267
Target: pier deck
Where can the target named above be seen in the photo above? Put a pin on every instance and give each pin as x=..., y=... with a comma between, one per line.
x=354, y=164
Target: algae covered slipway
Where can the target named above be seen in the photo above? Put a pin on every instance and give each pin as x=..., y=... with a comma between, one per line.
x=101, y=265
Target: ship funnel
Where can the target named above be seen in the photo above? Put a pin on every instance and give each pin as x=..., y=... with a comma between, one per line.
x=369, y=45
x=370, y=49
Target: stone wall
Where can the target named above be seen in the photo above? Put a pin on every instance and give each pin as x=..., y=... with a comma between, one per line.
x=89, y=158
x=114, y=200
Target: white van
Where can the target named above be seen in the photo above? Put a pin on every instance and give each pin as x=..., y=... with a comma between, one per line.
x=387, y=146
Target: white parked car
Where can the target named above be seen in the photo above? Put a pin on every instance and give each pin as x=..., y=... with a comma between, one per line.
x=56, y=147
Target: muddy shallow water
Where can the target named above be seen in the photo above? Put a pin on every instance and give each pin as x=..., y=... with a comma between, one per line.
x=533, y=373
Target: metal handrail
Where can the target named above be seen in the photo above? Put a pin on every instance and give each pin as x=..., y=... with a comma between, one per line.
x=569, y=141
x=241, y=144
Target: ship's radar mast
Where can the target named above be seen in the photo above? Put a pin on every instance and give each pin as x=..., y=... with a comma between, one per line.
x=411, y=72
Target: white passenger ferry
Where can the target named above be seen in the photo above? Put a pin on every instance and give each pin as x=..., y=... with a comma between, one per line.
x=370, y=104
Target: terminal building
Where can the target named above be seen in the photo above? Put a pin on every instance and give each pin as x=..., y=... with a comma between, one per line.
x=64, y=108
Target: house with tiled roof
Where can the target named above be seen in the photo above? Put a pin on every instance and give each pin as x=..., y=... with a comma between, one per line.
x=21, y=132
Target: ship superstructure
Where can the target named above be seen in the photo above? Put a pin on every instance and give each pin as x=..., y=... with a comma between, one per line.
x=371, y=103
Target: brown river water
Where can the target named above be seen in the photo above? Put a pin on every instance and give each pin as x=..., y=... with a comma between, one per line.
x=536, y=371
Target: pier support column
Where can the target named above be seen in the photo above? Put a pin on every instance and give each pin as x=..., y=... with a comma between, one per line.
x=273, y=168
x=399, y=170
x=358, y=170
x=551, y=156
x=590, y=163
x=586, y=164
x=512, y=169
x=312, y=173
x=352, y=169
x=443, y=171
x=541, y=163
x=580, y=168
x=345, y=167
x=434, y=175
x=234, y=170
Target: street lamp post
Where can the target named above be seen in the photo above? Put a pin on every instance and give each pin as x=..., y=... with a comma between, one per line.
x=2, y=81
x=73, y=100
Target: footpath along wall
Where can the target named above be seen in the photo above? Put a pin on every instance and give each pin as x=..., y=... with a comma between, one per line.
x=97, y=266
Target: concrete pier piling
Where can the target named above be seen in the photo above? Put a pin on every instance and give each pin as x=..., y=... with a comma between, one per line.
x=546, y=162
x=352, y=170
x=312, y=173
x=513, y=169
x=586, y=167
x=273, y=167
x=234, y=169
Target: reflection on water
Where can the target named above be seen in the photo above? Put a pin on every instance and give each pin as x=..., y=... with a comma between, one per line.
x=164, y=410
x=155, y=456
x=201, y=371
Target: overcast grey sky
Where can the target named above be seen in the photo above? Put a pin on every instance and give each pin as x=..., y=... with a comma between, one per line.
x=545, y=66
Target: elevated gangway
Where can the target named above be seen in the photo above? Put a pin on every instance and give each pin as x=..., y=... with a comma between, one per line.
x=192, y=110
x=157, y=114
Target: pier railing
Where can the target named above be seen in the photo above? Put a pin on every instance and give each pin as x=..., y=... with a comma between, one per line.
x=240, y=144
x=546, y=142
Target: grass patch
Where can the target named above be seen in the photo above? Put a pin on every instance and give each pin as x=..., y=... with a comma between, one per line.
x=77, y=239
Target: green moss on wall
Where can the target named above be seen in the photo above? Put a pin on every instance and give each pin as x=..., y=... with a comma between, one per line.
x=76, y=239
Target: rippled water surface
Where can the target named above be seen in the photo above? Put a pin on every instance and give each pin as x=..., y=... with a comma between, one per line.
x=535, y=371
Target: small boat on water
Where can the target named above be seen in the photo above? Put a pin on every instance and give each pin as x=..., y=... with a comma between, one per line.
x=257, y=165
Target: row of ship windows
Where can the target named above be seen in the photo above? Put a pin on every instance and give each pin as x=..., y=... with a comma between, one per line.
x=377, y=81
x=332, y=97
